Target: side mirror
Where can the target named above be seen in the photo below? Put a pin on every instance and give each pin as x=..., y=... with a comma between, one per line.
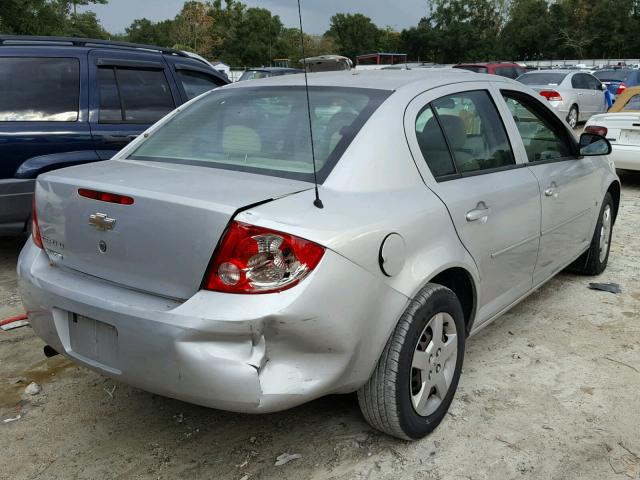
x=603, y=87
x=592, y=145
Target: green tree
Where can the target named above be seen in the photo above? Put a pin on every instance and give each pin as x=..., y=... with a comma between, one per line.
x=354, y=34
x=143, y=30
x=528, y=34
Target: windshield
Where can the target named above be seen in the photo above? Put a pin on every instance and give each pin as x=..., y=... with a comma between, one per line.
x=613, y=75
x=633, y=104
x=264, y=130
x=535, y=78
x=474, y=68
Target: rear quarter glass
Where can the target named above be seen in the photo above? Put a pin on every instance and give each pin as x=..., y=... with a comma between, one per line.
x=265, y=130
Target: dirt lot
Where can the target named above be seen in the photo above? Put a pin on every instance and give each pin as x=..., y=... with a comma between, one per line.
x=549, y=391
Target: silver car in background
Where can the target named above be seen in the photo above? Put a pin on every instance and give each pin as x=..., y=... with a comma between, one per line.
x=575, y=95
x=197, y=265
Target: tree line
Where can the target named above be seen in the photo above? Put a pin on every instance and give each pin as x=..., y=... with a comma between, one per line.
x=449, y=31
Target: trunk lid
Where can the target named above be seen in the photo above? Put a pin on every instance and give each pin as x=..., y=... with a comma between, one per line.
x=163, y=242
x=623, y=128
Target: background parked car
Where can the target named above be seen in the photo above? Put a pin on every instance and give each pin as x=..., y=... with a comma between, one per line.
x=66, y=101
x=618, y=80
x=575, y=95
x=265, y=72
x=621, y=126
x=504, y=69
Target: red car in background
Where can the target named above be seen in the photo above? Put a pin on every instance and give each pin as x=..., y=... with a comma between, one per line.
x=504, y=69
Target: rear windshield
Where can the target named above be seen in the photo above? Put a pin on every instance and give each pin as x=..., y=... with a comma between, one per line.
x=613, y=75
x=474, y=68
x=264, y=130
x=535, y=78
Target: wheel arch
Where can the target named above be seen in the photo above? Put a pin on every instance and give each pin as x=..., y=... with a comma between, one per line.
x=461, y=282
x=614, y=190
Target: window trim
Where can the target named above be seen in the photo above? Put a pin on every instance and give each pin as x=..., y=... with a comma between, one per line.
x=123, y=110
x=458, y=174
x=79, y=90
x=547, y=114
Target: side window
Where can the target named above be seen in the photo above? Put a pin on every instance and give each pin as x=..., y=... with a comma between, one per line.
x=474, y=131
x=579, y=81
x=39, y=89
x=433, y=145
x=593, y=82
x=195, y=83
x=542, y=138
x=143, y=96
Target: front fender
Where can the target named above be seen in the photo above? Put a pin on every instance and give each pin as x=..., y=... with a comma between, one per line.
x=34, y=166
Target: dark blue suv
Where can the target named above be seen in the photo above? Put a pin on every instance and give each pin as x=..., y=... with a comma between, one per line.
x=66, y=101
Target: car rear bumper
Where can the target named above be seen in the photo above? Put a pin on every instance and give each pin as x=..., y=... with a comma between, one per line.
x=626, y=157
x=245, y=353
x=15, y=204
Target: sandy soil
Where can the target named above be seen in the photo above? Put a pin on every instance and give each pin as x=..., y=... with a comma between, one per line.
x=549, y=391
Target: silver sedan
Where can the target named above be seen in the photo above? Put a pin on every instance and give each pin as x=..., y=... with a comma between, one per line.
x=575, y=95
x=200, y=265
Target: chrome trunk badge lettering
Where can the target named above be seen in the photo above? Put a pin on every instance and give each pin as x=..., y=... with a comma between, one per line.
x=101, y=221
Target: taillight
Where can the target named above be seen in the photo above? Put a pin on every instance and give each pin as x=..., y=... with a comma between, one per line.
x=105, y=197
x=253, y=259
x=551, y=95
x=596, y=130
x=621, y=88
x=35, y=229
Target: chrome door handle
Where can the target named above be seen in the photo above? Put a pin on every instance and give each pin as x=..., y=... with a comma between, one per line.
x=481, y=213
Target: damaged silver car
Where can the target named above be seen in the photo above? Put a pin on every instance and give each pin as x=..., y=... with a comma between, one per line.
x=197, y=265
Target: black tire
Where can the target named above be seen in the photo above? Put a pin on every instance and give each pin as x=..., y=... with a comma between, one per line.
x=574, y=108
x=591, y=262
x=386, y=399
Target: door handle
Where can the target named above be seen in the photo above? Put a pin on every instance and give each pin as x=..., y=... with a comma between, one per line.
x=480, y=213
x=118, y=138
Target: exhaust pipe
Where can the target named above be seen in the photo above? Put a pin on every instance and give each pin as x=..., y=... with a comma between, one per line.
x=49, y=352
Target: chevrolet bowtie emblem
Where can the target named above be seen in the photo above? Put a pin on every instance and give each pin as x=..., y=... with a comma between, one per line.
x=101, y=221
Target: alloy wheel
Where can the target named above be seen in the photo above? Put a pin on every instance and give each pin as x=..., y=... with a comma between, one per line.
x=605, y=233
x=433, y=364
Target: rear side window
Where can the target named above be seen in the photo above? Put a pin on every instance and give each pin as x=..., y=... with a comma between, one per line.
x=433, y=144
x=579, y=81
x=196, y=83
x=474, y=131
x=264, y=130
x=39, y=89
x=143, y=96
x=633, y=103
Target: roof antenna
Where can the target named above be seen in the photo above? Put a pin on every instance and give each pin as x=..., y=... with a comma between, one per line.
x=317, y=202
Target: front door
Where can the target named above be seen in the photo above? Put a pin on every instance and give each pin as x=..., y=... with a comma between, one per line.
x=493, y=202
x=569, y=185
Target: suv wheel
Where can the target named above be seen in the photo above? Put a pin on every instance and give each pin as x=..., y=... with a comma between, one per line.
x=417, y=374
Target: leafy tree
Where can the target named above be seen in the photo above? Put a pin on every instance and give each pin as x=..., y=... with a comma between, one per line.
x=143, y=30
x=528, y=34
x=193, y=29
x=354, y=34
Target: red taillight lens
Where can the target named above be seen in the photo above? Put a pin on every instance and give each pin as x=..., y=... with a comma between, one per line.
x=253, y=259
x=105, y=197
x=621, y=88
x=596, y=130
x=35, y=229
x=551, y=95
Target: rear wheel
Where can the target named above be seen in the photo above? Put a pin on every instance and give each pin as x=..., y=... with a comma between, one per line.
x=572, y=116
x=417, y=374
x=594, y=261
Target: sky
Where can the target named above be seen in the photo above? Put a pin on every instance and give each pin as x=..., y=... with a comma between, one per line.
x=399, y=14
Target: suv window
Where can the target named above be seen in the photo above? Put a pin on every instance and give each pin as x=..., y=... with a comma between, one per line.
x=195, y=83
x=542, y=138
x=39, y=89
x=133, y=95
x=474, y=131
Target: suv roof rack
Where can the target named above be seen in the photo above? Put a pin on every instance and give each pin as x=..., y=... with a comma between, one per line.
x=82, y=42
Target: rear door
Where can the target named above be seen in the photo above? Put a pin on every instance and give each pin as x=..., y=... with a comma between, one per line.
x=586, y=102
x=461, y=147
x=569, y=185
x=130, y=91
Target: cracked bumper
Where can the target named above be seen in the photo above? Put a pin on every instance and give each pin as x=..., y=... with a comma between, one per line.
x=244, y=353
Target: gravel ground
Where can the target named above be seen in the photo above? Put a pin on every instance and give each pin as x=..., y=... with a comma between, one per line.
x=549, y=391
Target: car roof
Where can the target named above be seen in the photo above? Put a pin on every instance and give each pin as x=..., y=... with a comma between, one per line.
x=425, y=78
x=487, y=64
x=272, y=69
x=555, y=70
